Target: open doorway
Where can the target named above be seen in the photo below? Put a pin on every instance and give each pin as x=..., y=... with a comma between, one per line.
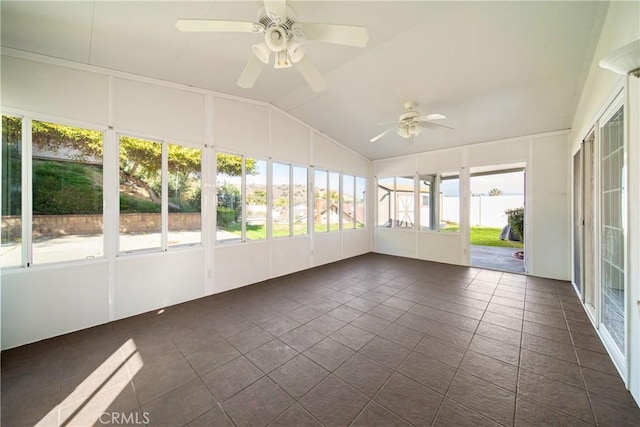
x=496, y=225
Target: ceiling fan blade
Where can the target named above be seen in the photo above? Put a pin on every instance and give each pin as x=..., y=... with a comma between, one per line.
x=375, y=138
x=434, y=125
x=311, y=74
x=204, y=25
x=251, y=72
x=276, y=7
x=339, y=34
x=429, y=117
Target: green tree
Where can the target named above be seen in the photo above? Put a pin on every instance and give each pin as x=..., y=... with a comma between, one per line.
x=231, y=165
x=495, y=192
x=259, y=197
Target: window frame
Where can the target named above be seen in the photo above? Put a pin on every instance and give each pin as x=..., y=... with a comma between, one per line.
x=164, y=205
x=395, y=209
x=27, y=118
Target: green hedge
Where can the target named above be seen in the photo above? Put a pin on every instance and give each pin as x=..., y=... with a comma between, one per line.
x=225, y=216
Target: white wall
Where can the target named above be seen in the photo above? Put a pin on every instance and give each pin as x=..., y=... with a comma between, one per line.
x=44, y=301
x=547, y=201
x=620, y=27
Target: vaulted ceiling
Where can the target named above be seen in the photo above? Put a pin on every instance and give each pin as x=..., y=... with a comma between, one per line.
x=495, y=69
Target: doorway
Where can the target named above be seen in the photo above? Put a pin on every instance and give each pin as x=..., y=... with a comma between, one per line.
x=497, y=193
x=584, y=222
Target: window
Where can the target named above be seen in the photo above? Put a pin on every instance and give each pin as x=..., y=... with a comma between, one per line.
x=439, y=197
x=140, y=194
x=185, y=190
x=320, y=207
x=396, y=202
x=360, y=202
x=11, y=191
x=256, y=186
x=348, y=202
x=67, y=203
x=280, y=193
x=300, y=200
x=449, y=202
x=333, y=201
x=230, y=169
x=427, y=188
x=159, y=192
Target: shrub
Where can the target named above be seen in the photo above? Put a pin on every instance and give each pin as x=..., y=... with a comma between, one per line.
x=225, y=216
x=516, y=221
x=130, y=204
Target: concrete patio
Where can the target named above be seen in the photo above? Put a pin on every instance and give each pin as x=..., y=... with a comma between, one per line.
x=496, y=258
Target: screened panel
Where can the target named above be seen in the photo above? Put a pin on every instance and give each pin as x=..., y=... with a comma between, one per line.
x=348, y=202
x=11, y=191
x=300, y=200
x=229, y=197
x=320, y=206
x=360, y=202
x=256, y=177
x=280, y=193
x=185, y=189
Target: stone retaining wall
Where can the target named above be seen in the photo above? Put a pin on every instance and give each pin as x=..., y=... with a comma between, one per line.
x=81, y=225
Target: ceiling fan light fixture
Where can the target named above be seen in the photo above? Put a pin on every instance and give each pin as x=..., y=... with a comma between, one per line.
x=276, y=38
x=295, y=50
x=403, y=131
x=624, y=60
x=262, y=52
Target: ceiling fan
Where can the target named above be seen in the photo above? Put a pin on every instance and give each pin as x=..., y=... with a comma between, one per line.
x=411, y=122
x=283, y=36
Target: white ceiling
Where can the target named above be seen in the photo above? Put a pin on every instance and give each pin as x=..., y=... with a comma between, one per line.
x=495, y=69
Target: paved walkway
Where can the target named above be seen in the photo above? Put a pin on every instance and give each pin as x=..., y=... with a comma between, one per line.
x=496, y=258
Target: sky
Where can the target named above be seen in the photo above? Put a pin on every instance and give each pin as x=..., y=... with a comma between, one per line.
x=511, y=183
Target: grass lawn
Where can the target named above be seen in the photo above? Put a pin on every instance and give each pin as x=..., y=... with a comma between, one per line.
x=259, y=232
x=488, y=236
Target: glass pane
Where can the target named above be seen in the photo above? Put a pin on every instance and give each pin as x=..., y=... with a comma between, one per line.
x=67, y=193
x=348, y=202
x=320, y=206
x=361, y=189
x=184, y=174
x=229, y=198
x=300, y=200
x=425, y=198
x=334, y=201
x=140, y=194
x=450, y=204
x=256, y=176
x=613, y=232
x=404, y=202
x=11, y=191
x=386, y=201
x=280, y=201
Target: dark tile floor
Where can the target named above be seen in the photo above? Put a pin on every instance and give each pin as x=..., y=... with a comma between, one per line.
x=374, y=340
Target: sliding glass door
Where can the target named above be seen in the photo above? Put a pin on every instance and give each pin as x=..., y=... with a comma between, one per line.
x=612, y=229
